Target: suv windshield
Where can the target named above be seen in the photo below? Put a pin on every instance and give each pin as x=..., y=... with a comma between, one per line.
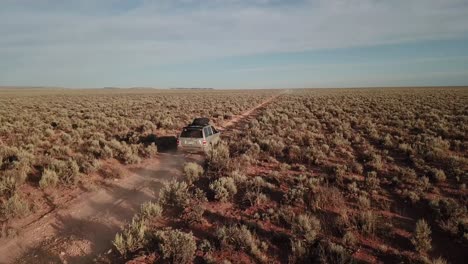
x=191, y=132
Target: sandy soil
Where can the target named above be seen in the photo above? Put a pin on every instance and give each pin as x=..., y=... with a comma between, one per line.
x=83, y=229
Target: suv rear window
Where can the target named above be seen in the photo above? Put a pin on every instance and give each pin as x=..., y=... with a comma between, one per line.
x=190, y=132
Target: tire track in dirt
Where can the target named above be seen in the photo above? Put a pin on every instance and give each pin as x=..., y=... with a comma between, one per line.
x=236, y=119
x=86, y=227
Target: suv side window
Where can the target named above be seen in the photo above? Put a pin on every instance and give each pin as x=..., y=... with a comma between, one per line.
x=210, y=130
x=214, y=130
x=207, y=131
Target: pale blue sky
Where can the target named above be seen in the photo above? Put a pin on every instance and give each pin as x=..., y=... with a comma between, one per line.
x=233, y=43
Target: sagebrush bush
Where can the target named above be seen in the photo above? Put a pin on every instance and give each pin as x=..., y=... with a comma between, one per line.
x=149, y=151
x=329, y=252
x=192, y=172
x=8, y=185
x=176, y=246
x=240, y=238
x=367, y=221
x=67, y=171
x=133, y=237
x=193, y=214
x=224, y=188
x=150, y=209
x=437, y=175
x=48, y=179
x=174, y=194
x=306, y=226
x=349, y=239
x=295, y=195
x=363, y=203
x=421, y=239
x=15, y=206
x=217, y=157
x=372, y=181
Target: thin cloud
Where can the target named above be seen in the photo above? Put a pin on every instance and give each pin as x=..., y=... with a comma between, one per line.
x=109, y=34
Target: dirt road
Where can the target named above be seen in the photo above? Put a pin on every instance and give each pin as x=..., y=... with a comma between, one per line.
x=86, y=227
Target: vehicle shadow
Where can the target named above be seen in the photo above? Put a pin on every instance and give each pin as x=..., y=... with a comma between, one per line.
x=164, y=143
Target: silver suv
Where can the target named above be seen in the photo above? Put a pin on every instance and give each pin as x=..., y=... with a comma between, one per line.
x=197, y=136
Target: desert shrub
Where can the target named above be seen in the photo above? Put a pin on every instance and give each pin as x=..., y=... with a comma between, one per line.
x=367, y=222
x=217, y=157
x=193, y=214
x=353, y=188
x=284, y=167
x=451, y=216
x=295, y=195
x=357, y=168
x=375, y=161
x=240, y=238
x=124, y=152
x=284, y=216
x=336, y=173
x=295, y=154
x=253, y=194
x=424, y=183
x=407, y=175
x=176, y=246
x=132, y=238
x=199, y=196
x=15, y=163
x=254, y=198
x=299, y=251
x=149, y=151
x=329, y=252
x=129, y=154
x=321, y=252
x=372, y=181
x=363, y=203
x=205, y=246
x=150, y=209
x=327, y=197
x=67, y=171
x=273, y=146
x=174, y=194
x=114, y=172
x=438, y=260
x=349, y=239
x=192, y=172
x=48, y=179
x=412, y=196
x=306, y=226
x=437, y=175
x=224, y=188
x=15, y=206
x=421, y=239
x=8, y=185
x=87, y=164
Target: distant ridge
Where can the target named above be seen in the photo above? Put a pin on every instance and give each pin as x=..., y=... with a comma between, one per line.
x=192, y=88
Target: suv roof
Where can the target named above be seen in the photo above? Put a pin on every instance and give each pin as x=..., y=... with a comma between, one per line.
x=201, y=121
